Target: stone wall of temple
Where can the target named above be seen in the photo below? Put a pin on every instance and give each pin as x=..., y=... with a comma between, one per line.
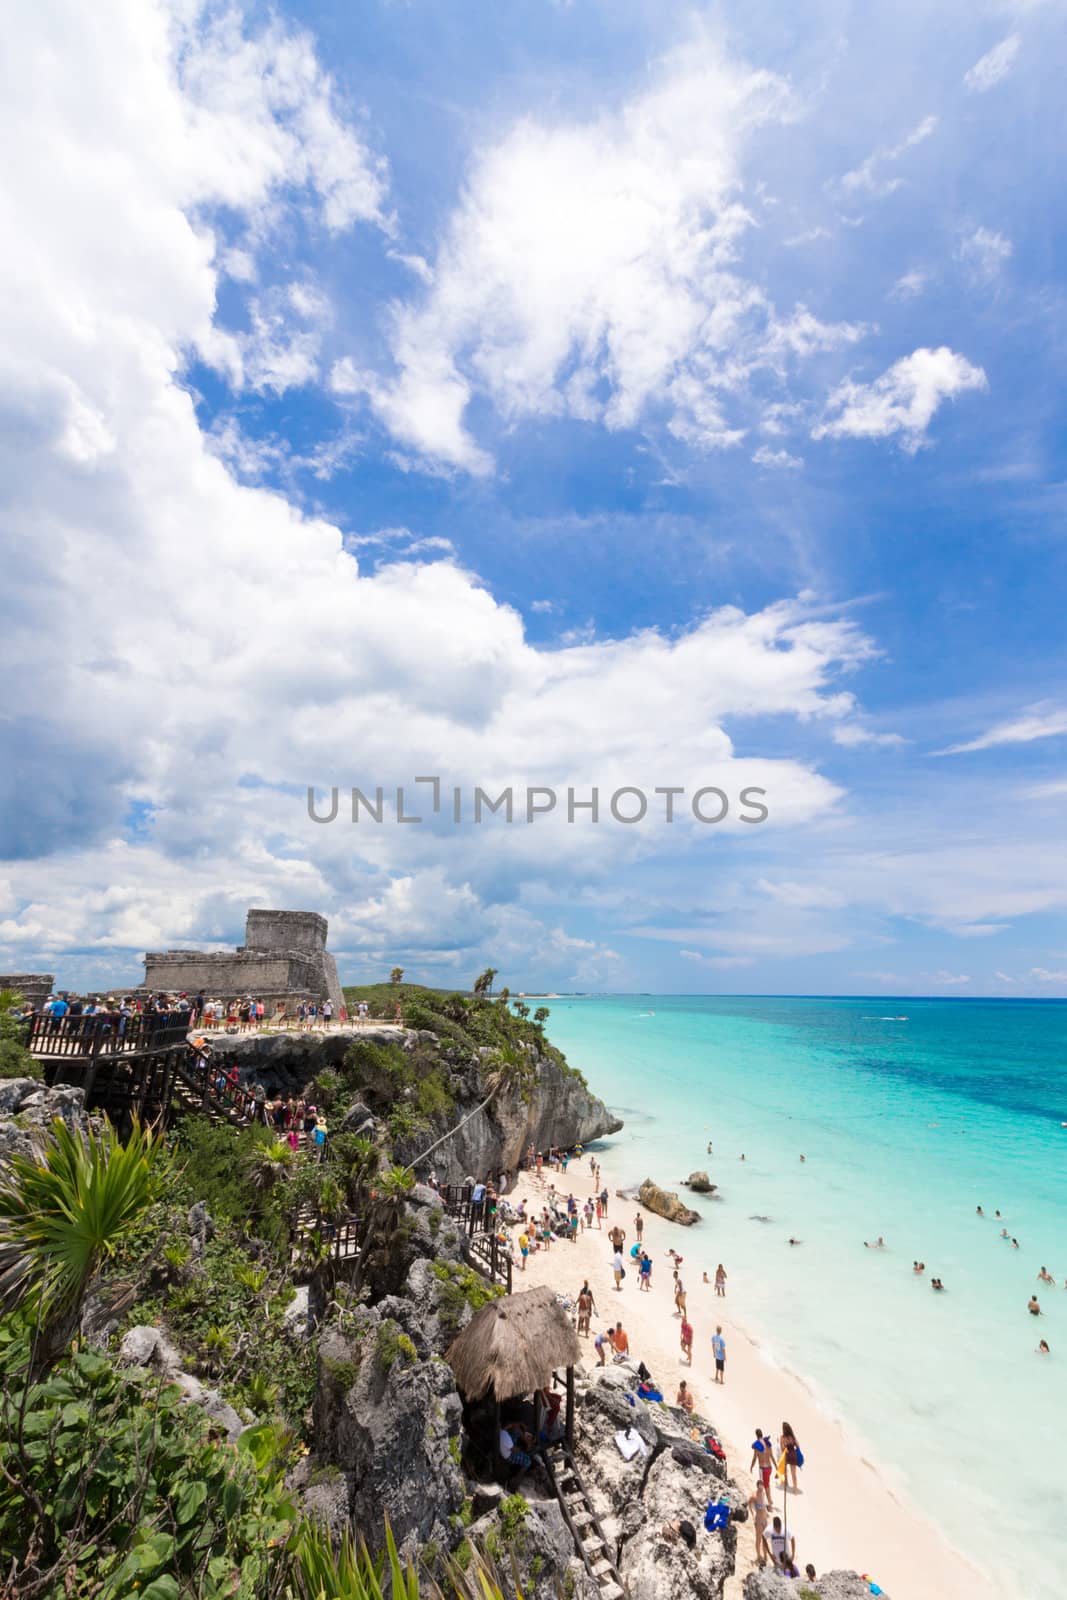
x=33, y=987
x=284, y=957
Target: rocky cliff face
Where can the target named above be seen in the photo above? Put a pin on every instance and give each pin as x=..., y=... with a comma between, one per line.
x=546, y=1104
x=28, y=1110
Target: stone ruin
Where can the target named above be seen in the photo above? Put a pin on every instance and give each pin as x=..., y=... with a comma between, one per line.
x=284, y=957
x=33, y=987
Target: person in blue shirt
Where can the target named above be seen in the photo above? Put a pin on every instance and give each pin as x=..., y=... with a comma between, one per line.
x=718, y=1350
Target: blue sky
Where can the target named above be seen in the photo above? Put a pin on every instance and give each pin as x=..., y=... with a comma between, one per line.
x=560, y=394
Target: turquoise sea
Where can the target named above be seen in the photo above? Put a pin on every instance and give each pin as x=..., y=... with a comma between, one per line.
x=906, y=1126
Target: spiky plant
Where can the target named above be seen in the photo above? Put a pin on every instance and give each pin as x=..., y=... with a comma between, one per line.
x=64, y=1211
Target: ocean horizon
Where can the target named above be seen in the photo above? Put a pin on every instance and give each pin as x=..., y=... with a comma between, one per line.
x=908, y=1121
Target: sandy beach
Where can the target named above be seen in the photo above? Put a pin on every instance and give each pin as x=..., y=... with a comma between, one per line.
x=846, y=1515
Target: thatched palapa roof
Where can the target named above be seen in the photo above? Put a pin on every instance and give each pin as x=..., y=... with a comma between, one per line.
x=511, y=1346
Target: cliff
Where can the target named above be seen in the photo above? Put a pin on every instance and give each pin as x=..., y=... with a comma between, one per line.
x=423, y=1082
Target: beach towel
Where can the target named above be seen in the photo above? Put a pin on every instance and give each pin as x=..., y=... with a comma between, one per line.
x=716, y=1516
x=630, y=1444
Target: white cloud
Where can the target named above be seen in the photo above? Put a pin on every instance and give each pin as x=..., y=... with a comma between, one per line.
x=984, y=253
x=260, y=656
x=852, y=733
x=779, y=460
x=949, y=979
x=870, y=176
x=902, y=401
x=1040, y=722
x=909, y=286
x=1043, y=975
x=591, y=271
x=993, y=66
x=543, y=606
x=802, y=896
x=720, y=963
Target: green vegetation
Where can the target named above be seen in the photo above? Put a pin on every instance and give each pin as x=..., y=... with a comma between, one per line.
x=392, y=1344
x=61, y=1218
x=15, y=1059
x=460, y=1287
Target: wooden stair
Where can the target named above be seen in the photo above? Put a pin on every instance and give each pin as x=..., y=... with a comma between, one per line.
x=590, y=1541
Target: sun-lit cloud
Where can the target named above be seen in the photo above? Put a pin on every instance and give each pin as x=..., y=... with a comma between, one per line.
x=902, y=402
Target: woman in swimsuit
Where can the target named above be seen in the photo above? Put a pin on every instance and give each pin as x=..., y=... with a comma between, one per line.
x=788, y=1444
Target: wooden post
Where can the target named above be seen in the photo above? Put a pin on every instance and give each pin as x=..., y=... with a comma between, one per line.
x=569, y=1429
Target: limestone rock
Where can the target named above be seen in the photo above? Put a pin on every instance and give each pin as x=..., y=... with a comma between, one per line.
x=13, y=1091
x=831, y=1586
x=665, y=1203
x=388, y=1422
x=201, y=1227
x=138, y=1346
x=29, y=1109
x=700, y=1183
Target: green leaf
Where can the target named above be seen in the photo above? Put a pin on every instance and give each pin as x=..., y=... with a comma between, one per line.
x=161, y=1588
x=190, y=1500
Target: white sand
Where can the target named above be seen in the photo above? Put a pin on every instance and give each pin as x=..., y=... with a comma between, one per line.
x=846, y=1516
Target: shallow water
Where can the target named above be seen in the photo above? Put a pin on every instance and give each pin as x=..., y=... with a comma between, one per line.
x=906, y=1127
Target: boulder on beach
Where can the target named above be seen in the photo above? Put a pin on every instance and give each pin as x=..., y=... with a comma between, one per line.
x=700, y=1183
x=665, y=1203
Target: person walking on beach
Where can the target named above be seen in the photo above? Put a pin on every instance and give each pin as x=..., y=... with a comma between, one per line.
x=763, y=1463
x=644, y=1269
x=679, y=1295
x=600, y=1342
x=718, y=1350
x=617, y=1237
x=720, y=1280
x=687, y=1341
x=604, y=1200
x=618, y=1269
x=791, y=1450
x=760, y=1516
x=585, y=1310
x=639, y=1226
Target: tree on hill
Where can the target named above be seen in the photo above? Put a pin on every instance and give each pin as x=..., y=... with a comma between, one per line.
x=541, y=1016
x=521, y=1009
x=397, y=975
x=483, y=984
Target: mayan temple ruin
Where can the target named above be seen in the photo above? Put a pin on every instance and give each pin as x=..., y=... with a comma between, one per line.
x=284, y=957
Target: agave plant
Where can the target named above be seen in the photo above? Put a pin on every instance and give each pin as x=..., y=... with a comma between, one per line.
x=347, y=1571
x=64, y=1211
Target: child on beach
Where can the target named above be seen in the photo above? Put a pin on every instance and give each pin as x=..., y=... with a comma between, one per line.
x=687, y=1341
x=720, y=1280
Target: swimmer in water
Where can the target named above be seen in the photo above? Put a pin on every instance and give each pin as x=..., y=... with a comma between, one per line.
x=1043, y=1349
x=796, y=1241
x=916, y=1266
x=1044, y=1276
x=879, y=1244
x=978, y=1211
x=1004, y=1234
x=936, y=1283
x=742, y=1155
x=1015, y=1244
x=803, y=1158
x=1034, y=1306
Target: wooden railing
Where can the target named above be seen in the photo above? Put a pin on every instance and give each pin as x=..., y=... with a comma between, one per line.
x=492, y=1258
x=105, y=1033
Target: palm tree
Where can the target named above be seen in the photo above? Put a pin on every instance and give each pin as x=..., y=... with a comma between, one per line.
x=397, y=975
x=483, y=984
x=541, y=1016
x=63, y=1213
